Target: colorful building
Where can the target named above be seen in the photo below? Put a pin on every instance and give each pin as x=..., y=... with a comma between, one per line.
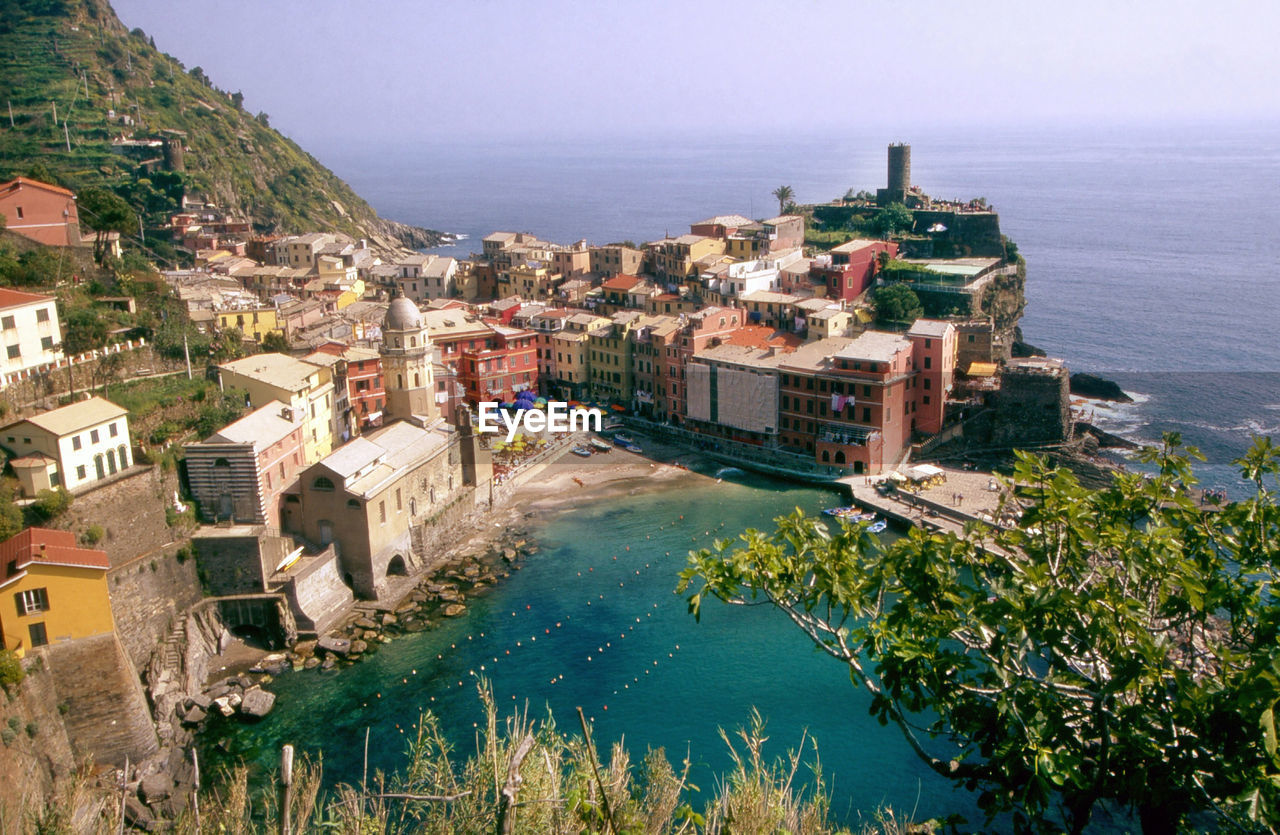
x=72, y=447
x=240, y=472
x=504, y=366
x=305, y=388
x=849, y=269
x=40, y=212
x=51, y=590
x=29, y=332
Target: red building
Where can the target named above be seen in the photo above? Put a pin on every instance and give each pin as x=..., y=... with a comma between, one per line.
x=505, y=365
x=39, y=211
x=848, y=402
x=848, y=270
x=366, y=392
x=934, y=345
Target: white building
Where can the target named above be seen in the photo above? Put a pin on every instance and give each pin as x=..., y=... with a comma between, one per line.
x=69, y=447
x=29, y=330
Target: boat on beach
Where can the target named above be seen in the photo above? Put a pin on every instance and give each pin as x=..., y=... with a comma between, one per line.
x=599, y=445
x=631, y=447
x=581, y=451
x=622, y=440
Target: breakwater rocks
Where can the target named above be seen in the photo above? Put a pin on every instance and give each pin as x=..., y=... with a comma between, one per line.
x=444, y=594
x=1099, y=388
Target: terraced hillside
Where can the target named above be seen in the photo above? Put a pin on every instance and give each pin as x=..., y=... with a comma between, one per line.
x=76, y=82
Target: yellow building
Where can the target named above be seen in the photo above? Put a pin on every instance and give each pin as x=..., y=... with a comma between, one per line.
x=51, y=590
x=253, y=323
x=609, y=358
x=306, y=388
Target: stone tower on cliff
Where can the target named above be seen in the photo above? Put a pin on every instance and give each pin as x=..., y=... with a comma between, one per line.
x=406, y=364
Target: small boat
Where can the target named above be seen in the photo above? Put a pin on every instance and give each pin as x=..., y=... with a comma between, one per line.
x=850, y=514
x=630, y=447
x=599, y=445
x=581, y=450
x=622, y=440
x=878, y=527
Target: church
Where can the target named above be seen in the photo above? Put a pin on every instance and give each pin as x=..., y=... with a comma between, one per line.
x=370, y=495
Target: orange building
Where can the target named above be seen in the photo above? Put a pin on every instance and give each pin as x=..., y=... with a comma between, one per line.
x=42, y=212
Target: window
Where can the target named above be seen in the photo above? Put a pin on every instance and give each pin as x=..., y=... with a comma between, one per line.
x=46, y=343
x=866, y=414
x=38, y=635
x=93, y=436
x=31, y=601
x=19, y=208
x=75, y=442
x=112, y=430
x=322, y=483
x=14, y=352
x=352, y=503
x=399, y=502
x=926, y=400
x=970, y=337
x=80, y=472
x=927, y=383
x=382, y=512
x=928, y=362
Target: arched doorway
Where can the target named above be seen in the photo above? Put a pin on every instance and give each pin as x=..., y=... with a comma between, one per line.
x=839, y=456
x=326, y=531
x=396, y=567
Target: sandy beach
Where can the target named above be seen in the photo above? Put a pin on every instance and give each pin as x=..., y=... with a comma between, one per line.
x=571, y=480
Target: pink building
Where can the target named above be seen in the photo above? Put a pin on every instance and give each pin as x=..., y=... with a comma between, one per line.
x=933, y=353
x=240, y=472
x=42, y=212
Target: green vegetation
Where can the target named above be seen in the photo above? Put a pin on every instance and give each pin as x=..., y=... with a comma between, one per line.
x=896, y=303
x=77, y=56
x=10, y=513
x=92, y=535
x=11, y=671
x=275, y=343
x=50, y=504
x=892, y=219
x=1118, y=646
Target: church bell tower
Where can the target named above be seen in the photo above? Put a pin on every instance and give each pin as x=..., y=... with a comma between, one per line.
x=406, y=365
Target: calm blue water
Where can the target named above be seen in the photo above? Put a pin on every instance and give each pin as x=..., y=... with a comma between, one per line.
x=1152, y=257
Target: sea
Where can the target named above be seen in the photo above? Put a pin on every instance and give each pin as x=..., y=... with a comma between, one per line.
x=1152, y=259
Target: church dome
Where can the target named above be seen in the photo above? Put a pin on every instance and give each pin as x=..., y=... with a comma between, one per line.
x=402, y=315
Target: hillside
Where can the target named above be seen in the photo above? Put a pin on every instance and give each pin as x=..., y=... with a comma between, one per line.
x=105, y=83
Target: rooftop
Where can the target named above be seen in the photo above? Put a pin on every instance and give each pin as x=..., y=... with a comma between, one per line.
x=45, y=547
x=877, y=346
x=930, y=327
x=374, y=460
x=279, y=370
x=261, y=427
x=17, y=298
x=76, y=416
x=724, y=220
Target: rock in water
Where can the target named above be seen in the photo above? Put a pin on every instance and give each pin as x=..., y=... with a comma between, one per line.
x=454, y=609
x=257, y=702
x=1089, y=385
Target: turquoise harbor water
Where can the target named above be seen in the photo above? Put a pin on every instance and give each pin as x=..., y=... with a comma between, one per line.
x=578, y=627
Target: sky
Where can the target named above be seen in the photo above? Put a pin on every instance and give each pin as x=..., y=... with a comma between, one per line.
x=328, y=72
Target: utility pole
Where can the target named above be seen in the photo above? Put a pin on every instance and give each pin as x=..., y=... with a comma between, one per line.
x=55, y=111
x=186, y=351
x=11, y=113
x=66, y=135
x=142, y=233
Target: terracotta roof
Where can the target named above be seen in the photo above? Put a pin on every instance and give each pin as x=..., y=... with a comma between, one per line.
x=24, y=181
x=16, y=298
x=621, y=282
x=48, y=547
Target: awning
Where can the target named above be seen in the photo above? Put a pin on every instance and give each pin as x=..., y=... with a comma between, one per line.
x=923, y=471
x=981, y=369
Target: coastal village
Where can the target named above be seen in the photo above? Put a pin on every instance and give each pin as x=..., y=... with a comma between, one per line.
x=338, y=506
